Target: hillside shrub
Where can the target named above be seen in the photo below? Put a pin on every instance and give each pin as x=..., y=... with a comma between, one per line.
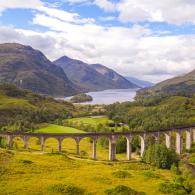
x=160, y=156
x=121, y=145
x=150, y=174
x=122, y=190
x=121, y=174
x=2, y=142
x=5, y=159
x=173, y=188
x=181, y=185
x=66, y=189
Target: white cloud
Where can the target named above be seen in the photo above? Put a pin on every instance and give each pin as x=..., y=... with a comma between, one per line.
x=75, y=1
x=134, y=51
x=130, y=51
x=64, y=15
x=105, y=5
x=171, y=11
x=44, y=8
x=107, y=18
x=13, y=4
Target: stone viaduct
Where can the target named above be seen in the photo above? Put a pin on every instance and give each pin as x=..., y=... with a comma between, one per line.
x=112, y=137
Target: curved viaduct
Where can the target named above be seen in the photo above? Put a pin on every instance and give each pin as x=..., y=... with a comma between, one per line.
x=112, y=137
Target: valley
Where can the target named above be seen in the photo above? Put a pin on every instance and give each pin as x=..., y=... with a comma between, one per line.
x=97, y=97
x=119, y=143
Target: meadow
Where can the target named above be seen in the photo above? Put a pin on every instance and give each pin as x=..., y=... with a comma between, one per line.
x=94, y=121
x=51, y=128
x=51, y=173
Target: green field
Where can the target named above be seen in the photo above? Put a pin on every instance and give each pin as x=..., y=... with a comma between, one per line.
x=90, y=120
x=35, y=173
x=58, y=129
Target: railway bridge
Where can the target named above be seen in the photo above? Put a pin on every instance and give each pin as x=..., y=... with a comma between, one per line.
x=189, y=133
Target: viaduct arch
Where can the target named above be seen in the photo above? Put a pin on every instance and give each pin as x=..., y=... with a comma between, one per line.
x=112, y=137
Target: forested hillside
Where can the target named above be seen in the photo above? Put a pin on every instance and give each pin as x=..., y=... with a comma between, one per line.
x=181, y=85
x=154, y=112
x=23, y=110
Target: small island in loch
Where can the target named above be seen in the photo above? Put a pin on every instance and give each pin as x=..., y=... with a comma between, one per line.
x=82, y=97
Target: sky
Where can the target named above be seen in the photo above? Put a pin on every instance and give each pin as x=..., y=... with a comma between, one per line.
x=149, y=39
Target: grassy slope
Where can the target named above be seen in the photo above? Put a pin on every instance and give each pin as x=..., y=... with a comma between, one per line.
x=58, y=129
x=7, y=102
x=91, y=120
x=42, y=171
x=18, y=105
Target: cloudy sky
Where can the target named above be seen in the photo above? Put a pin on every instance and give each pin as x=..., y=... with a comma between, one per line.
x=148, y=39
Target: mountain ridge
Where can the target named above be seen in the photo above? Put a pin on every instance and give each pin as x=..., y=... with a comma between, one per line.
x=139, y=82
x=30, y=69
x=87, y=76
x=183, y=84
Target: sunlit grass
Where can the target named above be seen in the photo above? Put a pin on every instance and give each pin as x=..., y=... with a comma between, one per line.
x=35, y=173
x=51, y=128
x=90, y=120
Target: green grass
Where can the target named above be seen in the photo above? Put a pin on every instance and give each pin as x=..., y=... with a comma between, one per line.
x=56, y=173
x=7, y=102
x=91, y=120
x=58, y=129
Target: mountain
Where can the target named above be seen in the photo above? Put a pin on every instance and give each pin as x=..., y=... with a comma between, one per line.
x=30, y=69
x=118, y=80
x=184, y=84
x=92, y=77
x=139, y=82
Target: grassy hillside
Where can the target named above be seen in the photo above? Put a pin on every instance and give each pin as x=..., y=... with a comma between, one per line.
x=181, y=85
x=90, y=120
x=23, y=110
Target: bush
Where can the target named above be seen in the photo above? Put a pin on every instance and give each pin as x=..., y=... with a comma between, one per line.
x=150, y=174
x=25, y=161
x=175, y=169
x=173, y=188
x=3, y=142
x=192, y=158
x=122, y=190
x=181, y=185
x=66, y=189
x=6, y=157
x=160, y=156
x=121, y=174
x=121, y=145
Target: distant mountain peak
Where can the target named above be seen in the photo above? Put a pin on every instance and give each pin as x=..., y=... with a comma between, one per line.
x=139, y=82
x=92, y=77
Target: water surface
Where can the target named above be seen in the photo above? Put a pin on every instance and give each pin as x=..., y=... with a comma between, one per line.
x=110, y=96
